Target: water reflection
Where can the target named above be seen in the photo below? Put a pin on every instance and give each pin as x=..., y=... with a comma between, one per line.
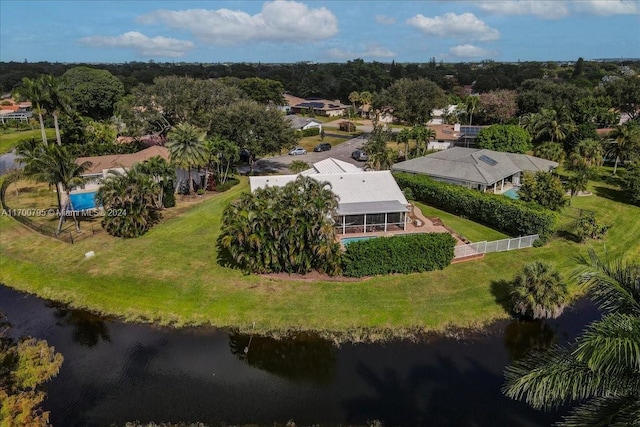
x=88, y=328
x=300, y=357
x=522, y=336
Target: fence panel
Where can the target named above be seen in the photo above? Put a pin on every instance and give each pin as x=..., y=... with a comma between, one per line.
x=470, y=249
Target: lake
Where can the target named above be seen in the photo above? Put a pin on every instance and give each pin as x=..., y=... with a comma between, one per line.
x=116, y=372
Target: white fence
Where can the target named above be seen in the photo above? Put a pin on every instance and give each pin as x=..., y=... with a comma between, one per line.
x=496, y=246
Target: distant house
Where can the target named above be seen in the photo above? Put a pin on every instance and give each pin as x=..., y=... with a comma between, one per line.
x=368, y=201
x=12, y=110
x=102, y=165
x=303, y=123
x=314, y=106
x=448, y=136
x=476, y=168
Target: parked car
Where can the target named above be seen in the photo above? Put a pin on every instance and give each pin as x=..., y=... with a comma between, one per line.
x=359, y=155
x=297, y=151
x=325, y=146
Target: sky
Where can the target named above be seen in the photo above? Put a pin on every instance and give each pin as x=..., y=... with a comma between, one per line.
x=318, y=31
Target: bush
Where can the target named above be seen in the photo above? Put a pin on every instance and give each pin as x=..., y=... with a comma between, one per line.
x=169, y=198
x=587, y=227
x=412, y=253
x=538, y=292
x=513, y=217
x=311, y=132
x=543, y=188
x=227, y=185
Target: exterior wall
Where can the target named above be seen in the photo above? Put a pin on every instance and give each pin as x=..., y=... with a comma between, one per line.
x=438, y=145
x=312, y=125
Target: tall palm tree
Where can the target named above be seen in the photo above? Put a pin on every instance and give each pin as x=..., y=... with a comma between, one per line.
x=538, y=292
x=56, y=101
x=626, y=139
x=34, y=91
x=600, y=370
x=55, y=165
x=129, y=200
x=186, y=148
x=554, y=123
x=471, y=105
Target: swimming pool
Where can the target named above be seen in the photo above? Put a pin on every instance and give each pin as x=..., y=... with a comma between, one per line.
x=83, y=201
x=346, y=240
x=512, y=193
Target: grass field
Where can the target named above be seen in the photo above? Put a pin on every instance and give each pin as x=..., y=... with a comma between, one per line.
x=171, y=276
x=8, y=141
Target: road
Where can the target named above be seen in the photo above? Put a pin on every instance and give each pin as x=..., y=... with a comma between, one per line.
x=280, y=164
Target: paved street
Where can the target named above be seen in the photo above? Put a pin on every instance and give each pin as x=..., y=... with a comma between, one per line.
x=279, y=164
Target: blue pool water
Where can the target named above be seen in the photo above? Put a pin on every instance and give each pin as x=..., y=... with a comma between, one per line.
x=83, y=201
x=512, y=193
x=345, y=241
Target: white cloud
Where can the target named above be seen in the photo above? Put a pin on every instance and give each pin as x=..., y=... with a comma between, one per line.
x=541, y=8
x=277, y=21
x=370, y=52
x=469, y=51
x=465, y=26
x=385, y=20
x=607, y=7
x=144, y=45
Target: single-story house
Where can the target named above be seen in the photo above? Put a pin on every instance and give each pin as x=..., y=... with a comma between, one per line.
x=315, y=106
x=102, y=165
x=368, y=201
x=303, y=123
x=12, y=110
x=475, y=168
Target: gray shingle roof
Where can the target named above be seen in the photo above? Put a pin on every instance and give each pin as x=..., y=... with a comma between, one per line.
x=474, y=165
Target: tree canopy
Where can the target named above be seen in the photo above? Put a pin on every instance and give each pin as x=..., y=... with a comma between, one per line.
x=92, y=92
x=411, y=101
x=508, y=138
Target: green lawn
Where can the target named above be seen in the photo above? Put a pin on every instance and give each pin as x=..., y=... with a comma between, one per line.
x=9, y=140
x=171, y=276
x=470, y=230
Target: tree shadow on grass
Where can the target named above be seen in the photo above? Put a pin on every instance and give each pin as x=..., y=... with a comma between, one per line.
x=567, y=235
x=224, y=257
x=500, y=292
x=610, y=193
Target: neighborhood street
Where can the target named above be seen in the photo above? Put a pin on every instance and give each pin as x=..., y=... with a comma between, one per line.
x=280, y=164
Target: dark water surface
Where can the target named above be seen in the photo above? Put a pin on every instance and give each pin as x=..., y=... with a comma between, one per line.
x=115, y=372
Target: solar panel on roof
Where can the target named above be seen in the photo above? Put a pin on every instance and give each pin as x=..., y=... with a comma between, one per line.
x=470, y=130
x=488, y=160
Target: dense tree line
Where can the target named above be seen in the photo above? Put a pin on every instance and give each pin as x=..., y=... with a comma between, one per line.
x=338, y=80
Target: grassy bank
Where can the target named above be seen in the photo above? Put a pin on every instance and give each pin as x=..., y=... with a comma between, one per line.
x=171, y=276
x=9, y=140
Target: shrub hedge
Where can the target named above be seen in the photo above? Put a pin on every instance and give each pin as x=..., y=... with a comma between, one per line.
x=227, y=185
x=311, y=132
x=513, y=217
x=410, y=253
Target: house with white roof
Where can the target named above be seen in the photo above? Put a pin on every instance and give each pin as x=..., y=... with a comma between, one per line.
x=475, y=168
x=367, y=201
x=303, y=123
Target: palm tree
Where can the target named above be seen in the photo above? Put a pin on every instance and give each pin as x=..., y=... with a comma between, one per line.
x=555, y=123
x=600, y=370
x=56, y=100
x=626, y=139
x=404, y=136
x=129, y=200
x=56, y=166
x=471, y=103
x=591, y=151
x=578, y=181
x=298, y=166
x=161, y=172
x=33, y=90
x=186, y=148
x=550, y=150
x=538, y=292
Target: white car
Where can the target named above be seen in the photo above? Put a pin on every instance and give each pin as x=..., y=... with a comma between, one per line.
x=297, y=151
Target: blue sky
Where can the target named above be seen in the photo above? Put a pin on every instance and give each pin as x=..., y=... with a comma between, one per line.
x=319, y=31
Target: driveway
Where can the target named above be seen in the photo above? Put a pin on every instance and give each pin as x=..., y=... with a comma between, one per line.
x=280, y=164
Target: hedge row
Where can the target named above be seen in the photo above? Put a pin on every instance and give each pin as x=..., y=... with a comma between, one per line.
x=513, y=217
x=410, y=253
x=311, y=132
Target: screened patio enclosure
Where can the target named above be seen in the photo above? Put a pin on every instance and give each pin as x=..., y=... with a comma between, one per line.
x=369, y=217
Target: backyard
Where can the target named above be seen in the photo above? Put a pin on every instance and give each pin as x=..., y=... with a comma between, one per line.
x=172, y=276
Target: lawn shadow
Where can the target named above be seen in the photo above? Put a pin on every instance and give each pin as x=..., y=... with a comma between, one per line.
x=610, y=193
x=500, y=292
x=567, y=235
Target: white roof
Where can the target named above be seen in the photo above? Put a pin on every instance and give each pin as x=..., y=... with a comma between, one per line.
x=332, y=165
x=353, y=187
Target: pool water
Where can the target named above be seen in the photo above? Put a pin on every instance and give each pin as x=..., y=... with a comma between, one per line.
x=512, y=193
x=345, y=241
x=83, y=201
